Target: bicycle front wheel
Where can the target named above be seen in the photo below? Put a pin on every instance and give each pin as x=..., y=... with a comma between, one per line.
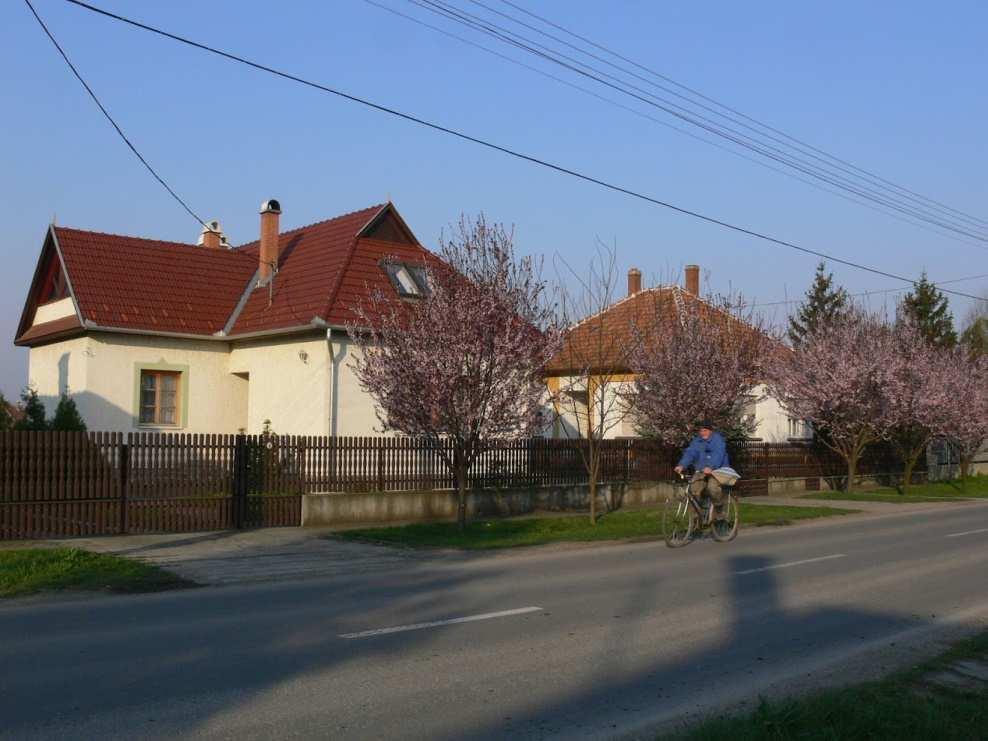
x=726, y=530
x=678, y=521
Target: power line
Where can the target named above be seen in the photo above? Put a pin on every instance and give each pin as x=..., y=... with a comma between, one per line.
x=109, y=118
x=495, y=147
x=872, y=293
x=725, y=107
x=610, y=101
x=770, y=151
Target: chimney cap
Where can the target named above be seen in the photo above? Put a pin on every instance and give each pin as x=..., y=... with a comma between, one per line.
x=271, y=206
x=634, y=271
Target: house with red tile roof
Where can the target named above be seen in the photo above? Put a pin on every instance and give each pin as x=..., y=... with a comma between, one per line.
x=209, y=338
x=594, y=362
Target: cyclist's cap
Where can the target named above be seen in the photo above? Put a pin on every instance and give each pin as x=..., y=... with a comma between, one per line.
x=704, y=424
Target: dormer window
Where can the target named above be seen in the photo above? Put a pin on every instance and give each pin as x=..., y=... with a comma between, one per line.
x=411, y=281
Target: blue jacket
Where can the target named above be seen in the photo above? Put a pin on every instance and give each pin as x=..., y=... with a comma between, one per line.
x=711, y=453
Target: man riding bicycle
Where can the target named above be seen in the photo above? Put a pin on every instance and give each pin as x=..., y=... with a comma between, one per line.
x=706, y=453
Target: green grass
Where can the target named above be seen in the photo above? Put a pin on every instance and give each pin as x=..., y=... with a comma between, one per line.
x=28, y=571
x=511, y=533
x=900, y=707
x=972, y=487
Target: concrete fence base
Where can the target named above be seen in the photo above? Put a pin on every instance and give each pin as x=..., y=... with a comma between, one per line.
x=364, y=508
x=346, y=509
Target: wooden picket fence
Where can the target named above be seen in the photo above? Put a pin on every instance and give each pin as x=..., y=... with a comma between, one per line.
x=55, y=484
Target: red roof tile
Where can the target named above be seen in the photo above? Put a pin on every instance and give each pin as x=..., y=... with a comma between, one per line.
x=147, y=285
x=310, y=264
x=133, y=283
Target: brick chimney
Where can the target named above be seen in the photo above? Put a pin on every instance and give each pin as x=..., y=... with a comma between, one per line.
x=693, y=279
x=212, y=236
x=268, y=258
x=634, y=281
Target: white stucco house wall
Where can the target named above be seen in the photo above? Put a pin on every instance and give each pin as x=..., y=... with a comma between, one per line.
x=602, y=342
x=204, y=338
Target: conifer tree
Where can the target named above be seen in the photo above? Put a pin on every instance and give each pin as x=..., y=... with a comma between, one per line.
x=824, y=303
x=928, y=309
x=6, y=419
x=975, y=337
x=67, y=417
x=34, y=412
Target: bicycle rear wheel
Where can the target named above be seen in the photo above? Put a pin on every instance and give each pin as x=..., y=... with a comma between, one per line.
x=678, y=521
x=726, y=530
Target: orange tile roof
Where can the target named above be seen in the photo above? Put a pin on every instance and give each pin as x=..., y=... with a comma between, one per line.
x=604, y=342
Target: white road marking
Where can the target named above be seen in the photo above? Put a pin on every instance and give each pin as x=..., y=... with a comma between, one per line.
x=791, y=563
x=969, y=532
x=437, y=623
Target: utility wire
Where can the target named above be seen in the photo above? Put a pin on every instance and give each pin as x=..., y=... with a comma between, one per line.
x=477, y=23
x=109, y=118
x=642, y=114
x=729, y=109
x=872, y=293
x=767, y=150
x=496, y=147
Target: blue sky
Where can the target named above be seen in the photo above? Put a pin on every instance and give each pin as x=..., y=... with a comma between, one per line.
x=897, y=87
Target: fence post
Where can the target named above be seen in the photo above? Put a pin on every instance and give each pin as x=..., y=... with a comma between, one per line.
x=124, y=484
x=239, y=480
x=627, y=461
x=380, y=464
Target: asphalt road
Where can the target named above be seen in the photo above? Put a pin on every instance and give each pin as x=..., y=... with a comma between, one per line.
x=584, y=642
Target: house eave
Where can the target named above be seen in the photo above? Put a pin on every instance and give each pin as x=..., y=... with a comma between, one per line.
x=215, y=337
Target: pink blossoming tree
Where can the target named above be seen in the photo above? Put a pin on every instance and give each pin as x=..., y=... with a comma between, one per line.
x=920, y=403
x=966, y=403
x=840, y=379
x=702, y=364
x=464, y=363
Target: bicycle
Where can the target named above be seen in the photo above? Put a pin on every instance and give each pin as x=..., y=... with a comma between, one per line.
x=686, y=515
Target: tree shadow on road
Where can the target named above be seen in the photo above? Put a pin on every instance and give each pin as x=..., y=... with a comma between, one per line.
x=761, y=644
x=145, y=665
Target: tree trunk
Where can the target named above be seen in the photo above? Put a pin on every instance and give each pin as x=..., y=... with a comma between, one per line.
x=593, y=497
x=966, y=465
x=461, y=490
x=909, y=463
x=852, y=469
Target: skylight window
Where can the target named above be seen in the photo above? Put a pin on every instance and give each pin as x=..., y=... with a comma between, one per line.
x=411, y=281
x=406, y=283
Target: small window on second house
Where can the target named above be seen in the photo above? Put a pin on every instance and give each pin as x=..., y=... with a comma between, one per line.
x=160, y=397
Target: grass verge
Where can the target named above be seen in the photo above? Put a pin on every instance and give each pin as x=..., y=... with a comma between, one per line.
x=974, y=487
x=902, y=707
x=32, y=570
x=511, y=533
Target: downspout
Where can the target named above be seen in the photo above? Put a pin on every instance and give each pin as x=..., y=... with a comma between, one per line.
x=337, y=351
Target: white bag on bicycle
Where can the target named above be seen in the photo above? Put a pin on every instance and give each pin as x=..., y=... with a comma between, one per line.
x=726, y=476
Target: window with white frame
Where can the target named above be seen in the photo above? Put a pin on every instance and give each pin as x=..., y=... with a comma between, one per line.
x=798, y=429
